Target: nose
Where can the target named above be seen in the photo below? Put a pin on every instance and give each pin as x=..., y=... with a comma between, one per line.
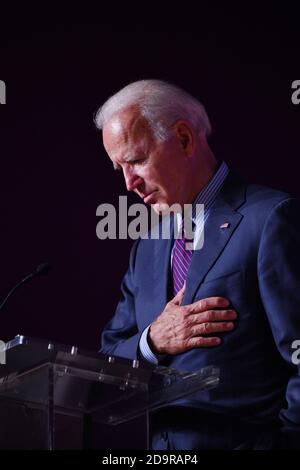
x=132, y=180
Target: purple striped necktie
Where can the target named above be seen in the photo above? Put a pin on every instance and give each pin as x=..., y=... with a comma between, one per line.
x=181, y=261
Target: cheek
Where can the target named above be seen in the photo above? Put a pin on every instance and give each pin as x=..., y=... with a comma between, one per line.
x=160, y=176
x=149, y=175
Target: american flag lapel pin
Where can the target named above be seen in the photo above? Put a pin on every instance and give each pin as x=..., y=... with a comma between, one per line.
x=225, y=225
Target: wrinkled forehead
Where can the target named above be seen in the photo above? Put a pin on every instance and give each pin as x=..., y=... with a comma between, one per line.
x=127, y=125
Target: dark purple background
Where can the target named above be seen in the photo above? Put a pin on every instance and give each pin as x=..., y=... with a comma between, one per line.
x=59, y=67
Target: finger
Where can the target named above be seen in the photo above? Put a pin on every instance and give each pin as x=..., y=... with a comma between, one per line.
x=209, y=303
x=179, y=296
x=203, y=342
x=208, y=328
x=212, y=316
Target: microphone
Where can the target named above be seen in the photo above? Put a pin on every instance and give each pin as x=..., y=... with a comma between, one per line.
x=40, y=270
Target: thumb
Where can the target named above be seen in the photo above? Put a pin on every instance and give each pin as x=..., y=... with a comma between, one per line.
x=177, y=300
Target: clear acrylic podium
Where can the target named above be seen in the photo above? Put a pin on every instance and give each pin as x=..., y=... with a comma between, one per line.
x=41, y=383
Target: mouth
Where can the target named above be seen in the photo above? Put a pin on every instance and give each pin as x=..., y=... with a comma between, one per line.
x=149, y=198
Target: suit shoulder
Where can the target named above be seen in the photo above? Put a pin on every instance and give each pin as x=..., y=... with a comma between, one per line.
x=264, y=197
x=263, y=202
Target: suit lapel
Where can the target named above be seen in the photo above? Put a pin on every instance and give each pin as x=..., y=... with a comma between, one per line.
x=223, y=211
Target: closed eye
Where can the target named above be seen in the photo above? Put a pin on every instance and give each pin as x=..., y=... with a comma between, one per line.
x=138, y=162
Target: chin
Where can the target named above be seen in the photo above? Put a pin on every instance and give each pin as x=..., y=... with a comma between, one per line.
x=157, y=207
x=161, y=208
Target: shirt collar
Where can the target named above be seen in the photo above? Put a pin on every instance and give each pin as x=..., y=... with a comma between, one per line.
x=206, y=196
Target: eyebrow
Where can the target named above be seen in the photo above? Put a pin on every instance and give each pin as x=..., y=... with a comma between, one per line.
x=130, y=159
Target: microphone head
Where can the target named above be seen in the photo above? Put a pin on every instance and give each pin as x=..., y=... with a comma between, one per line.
x=42, y=269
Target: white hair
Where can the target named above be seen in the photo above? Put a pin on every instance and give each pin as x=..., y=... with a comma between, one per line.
x=161, y=103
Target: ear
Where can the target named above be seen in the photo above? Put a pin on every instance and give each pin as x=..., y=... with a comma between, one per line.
x=185, y=136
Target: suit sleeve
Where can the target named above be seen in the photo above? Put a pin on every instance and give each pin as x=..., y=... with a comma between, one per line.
x=279, y=281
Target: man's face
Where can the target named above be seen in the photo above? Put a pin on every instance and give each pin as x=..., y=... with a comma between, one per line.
x=155, y=170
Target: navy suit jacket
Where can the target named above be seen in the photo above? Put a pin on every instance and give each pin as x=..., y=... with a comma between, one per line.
x=255, y=263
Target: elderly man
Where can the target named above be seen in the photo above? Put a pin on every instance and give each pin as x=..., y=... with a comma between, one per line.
x=233, y=303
